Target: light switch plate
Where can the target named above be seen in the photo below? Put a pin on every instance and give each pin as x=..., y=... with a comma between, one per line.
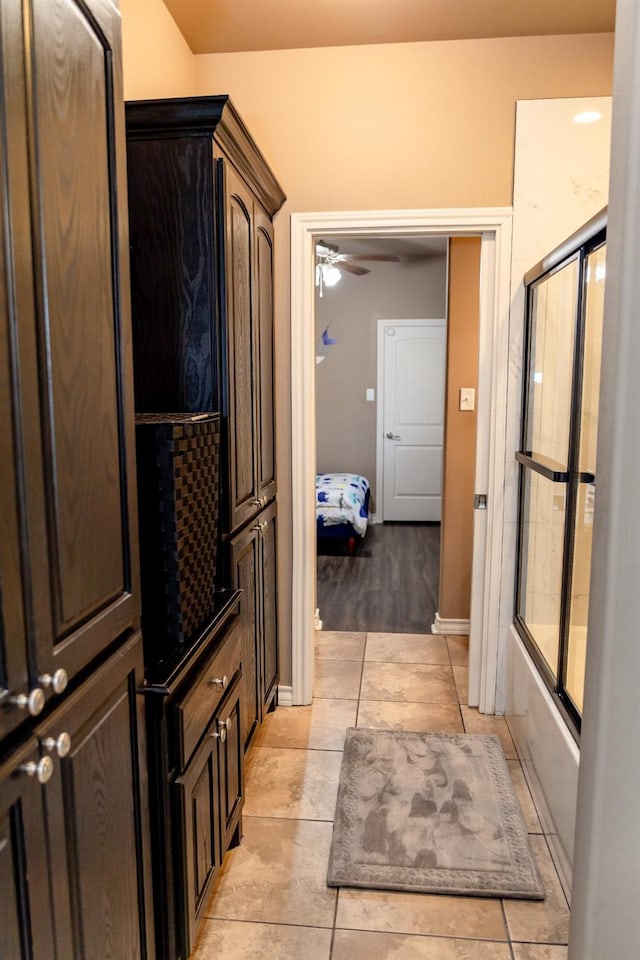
x=467, y=398
x=371, y=394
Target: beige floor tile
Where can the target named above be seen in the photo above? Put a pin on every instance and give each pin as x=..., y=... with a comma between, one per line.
x=320, y=726
x=356, y=945
x=421, y=717
x=458, y=650
x=408, y=682
x=337, y=679
x=300, y=784
x=428, y=914
x=544, y=921
x=536, y=951
x=525, y=799
x=475, y=722
x=339, y=645
x=461, y=675
x=233, y=940
x=278, y=874
x=406, y=648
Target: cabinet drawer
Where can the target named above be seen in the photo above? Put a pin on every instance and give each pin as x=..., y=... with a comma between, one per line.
x=195, y=709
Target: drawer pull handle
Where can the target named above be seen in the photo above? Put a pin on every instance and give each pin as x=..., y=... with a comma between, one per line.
x=221, y=733
x=219, y=682
x=33, y=703
x=60, y=744
x=58, y=682
x=42, y=770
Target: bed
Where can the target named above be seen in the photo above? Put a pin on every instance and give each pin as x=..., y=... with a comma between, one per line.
x=342, y=506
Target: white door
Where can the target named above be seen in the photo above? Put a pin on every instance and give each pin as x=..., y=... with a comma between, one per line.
x=413, y=368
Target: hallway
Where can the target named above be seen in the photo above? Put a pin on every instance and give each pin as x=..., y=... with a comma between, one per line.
x=271, y=897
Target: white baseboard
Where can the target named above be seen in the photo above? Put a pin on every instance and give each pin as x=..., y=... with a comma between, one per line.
x=452, y=628
x=285, y=696
x=317, y=622
x=374, y=518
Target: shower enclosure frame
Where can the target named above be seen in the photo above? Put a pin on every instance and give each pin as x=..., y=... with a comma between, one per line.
x=578, y=247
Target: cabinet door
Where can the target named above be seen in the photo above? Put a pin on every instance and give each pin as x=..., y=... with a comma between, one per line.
x=244, y=572
x=82, y=327
x=26, y=919
x=241, y=425
x=263, y=306
x=23, y=606
x=98, y=816
x=230, y=767
x=269, y=597
x=199, y=835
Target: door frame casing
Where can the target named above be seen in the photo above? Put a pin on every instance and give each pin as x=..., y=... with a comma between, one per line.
x=380, y=386
x=493, y=225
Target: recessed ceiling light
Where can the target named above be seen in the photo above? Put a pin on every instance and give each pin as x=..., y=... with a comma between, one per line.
x=587, y=116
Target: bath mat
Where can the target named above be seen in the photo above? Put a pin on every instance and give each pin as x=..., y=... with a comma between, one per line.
x=430, y=813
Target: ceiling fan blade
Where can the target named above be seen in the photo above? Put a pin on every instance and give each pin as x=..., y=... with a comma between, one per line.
x=332, y=247
x=384, y=257
x=352, y=268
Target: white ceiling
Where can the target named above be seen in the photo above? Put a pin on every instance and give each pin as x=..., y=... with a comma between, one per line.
x=224, y=26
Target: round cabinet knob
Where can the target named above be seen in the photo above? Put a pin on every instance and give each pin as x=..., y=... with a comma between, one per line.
x=42, y=770
x=219, y=682
x=257, y=527
x=228, y=723
x=257, y=502
x=33, y=703
x=60, y=744
x=58, y=681
x=221, y=733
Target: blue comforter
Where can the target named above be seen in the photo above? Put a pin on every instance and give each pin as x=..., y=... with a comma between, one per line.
x=342, y=498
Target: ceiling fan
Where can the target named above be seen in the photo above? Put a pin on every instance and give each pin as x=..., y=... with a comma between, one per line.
x=330, y=262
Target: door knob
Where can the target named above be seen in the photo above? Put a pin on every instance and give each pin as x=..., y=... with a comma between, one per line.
x=393, y=436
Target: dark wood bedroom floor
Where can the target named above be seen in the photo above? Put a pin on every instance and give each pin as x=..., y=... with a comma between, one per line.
x=390, y=585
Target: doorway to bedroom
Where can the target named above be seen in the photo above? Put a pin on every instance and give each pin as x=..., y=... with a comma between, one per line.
x=389, y=370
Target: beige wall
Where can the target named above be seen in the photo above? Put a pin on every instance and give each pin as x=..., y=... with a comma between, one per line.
x=456, y=545
x=345, y=420
x=157, y=60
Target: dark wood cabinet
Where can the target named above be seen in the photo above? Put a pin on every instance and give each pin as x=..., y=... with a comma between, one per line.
x=202, y=201
x=69, y=560
x=210, y=799
x=196, y=773
x=73, y=797
x=253, y=554
x=26, y=914
x=75, y=825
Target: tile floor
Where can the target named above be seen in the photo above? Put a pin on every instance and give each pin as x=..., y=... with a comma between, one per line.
x=271, y=898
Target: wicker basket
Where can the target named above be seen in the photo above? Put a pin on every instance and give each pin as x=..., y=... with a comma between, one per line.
x=178, y=492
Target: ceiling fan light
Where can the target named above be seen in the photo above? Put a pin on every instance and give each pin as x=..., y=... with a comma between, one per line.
x=330, y=274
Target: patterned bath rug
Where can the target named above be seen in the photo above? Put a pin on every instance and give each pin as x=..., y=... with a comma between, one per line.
x=430, y=813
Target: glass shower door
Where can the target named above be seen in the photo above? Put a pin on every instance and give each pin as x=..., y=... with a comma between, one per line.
x=586, y=475
x=558, y=462
x=546, y=458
